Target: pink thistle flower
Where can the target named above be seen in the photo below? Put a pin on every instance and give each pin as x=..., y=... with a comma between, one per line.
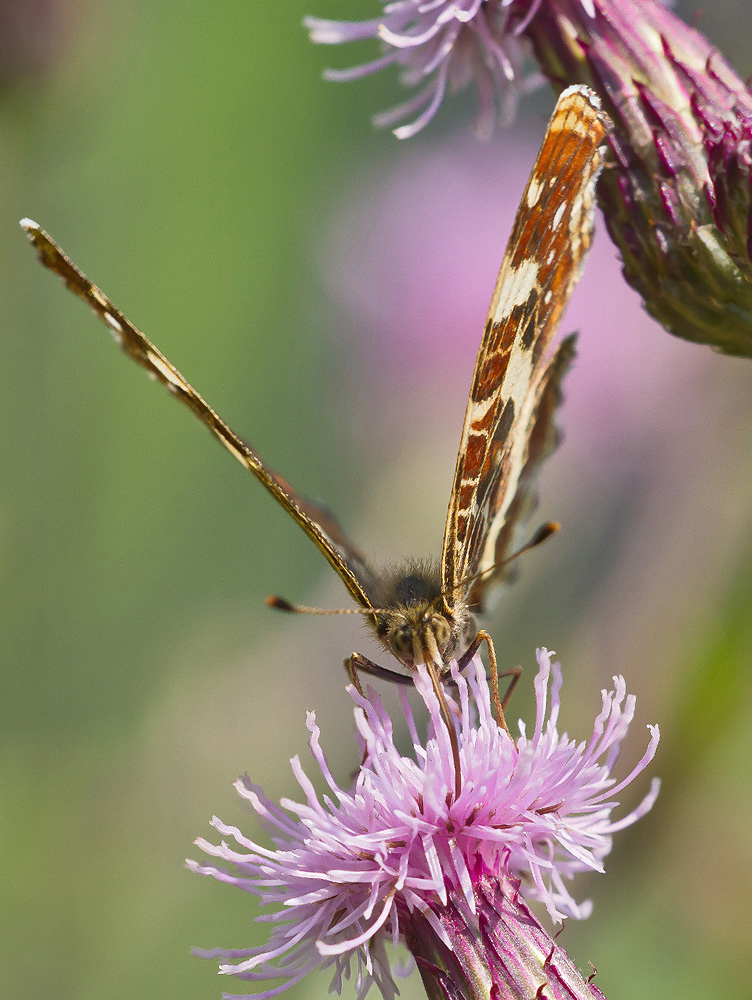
x=441, y=44
x=399, y=859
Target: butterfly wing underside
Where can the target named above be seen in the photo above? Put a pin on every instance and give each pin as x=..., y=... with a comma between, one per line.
x=509, y=423
x=318, y=523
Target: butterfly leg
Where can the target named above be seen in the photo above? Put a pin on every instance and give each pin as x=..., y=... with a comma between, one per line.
x=514, y=674
x=358, y=662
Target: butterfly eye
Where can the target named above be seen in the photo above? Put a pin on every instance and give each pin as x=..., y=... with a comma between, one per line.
x=401, y=641
x=441, y=630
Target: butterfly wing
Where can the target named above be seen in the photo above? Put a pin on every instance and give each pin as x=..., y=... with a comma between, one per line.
x=506, y=534
x=508, y=427
x=317, y=522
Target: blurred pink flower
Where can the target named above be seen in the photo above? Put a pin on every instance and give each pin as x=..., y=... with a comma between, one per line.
x=32, y=33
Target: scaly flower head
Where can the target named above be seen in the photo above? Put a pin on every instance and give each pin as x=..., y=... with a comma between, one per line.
x=401, y=859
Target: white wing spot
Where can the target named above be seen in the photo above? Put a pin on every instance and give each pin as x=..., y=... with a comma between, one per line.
x=534, y=190
x=583, y=91
x=518, y=377
x=581, y=128
x=115, y=328
x=165, y=371
x=558, y=216
x=479, y=408
x=515, y=289
x=233, y=450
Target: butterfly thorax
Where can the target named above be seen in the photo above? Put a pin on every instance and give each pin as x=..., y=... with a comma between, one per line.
x=415, y=621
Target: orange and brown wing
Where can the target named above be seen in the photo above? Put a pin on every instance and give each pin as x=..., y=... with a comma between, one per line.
x=315, y=520
x=508, y=426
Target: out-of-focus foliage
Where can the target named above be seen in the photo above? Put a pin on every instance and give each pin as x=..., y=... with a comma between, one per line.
x=195, y=166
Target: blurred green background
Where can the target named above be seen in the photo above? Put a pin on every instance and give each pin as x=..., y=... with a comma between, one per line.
x=194, y=164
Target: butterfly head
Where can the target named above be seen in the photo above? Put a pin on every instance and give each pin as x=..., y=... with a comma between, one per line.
x=417, y=630
x=414, y=621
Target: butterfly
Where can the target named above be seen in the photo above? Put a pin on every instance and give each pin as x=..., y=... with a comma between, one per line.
x=425, y=613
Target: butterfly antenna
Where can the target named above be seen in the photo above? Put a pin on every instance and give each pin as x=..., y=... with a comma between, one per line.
x=274, y=601
x=545, y=531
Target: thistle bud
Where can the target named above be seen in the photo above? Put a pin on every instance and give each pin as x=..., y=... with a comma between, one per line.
x=677, y=199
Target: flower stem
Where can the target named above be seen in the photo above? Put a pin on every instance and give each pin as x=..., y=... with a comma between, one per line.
x=498, y=952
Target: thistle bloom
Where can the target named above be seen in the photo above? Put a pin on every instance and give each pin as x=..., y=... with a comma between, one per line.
x=677, y=200
x=440, y=43
x=400, y=859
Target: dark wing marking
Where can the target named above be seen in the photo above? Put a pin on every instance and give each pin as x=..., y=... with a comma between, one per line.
x=551, y=235
x=317, y=523
x=544, y=437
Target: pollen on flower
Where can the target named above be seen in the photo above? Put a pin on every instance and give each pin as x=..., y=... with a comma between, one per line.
x=399, y=859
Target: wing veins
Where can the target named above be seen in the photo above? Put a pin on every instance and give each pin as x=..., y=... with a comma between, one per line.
x=536, y=277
